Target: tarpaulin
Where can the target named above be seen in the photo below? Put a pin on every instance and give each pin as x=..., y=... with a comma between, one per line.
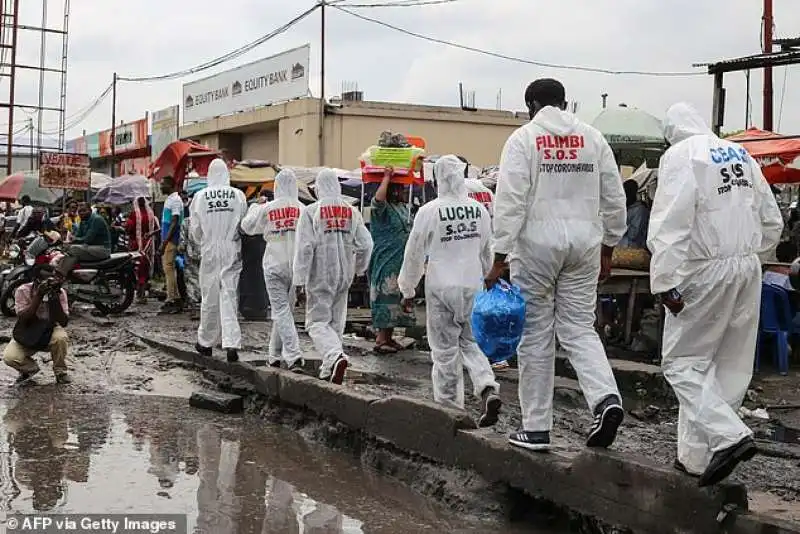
x=778, y=155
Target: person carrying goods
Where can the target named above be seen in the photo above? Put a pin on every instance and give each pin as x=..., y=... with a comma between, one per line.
x=559, y=212
x=277, y=222
x=216, y=212
x=454, y=233
x=332, y=246
x=712, y=215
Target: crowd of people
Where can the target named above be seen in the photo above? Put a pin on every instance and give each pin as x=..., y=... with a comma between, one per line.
x=551, y=229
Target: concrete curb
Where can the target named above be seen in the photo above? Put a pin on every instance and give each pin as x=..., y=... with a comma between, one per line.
x=624, y=491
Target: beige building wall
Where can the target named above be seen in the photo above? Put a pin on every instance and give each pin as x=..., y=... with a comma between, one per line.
x=289, y=133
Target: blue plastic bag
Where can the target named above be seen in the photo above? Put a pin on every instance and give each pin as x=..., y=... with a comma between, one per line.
x=498, y=315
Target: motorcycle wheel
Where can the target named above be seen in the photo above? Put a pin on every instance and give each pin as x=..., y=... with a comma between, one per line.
x=7, y=303
x=128, y=285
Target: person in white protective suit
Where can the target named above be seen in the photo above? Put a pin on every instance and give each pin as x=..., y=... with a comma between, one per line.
x=476, y=190
x=454, y=233
x=559, y=211
x=332, y=246
x=277, y=222
x=216, y=212
x=712, y=215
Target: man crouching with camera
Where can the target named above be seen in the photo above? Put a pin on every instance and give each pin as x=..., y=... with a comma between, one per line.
x=42, y=315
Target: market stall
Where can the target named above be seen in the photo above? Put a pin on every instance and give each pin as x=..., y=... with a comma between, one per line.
x=778, y=155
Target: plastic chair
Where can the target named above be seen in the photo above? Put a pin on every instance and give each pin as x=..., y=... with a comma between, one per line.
x=776, y=320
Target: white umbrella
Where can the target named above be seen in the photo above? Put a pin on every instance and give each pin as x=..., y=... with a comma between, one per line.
x=625, y=127
x=100, y=180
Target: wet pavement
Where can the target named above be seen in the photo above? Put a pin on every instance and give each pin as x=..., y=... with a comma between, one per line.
x=80, y=454
x=108, y=359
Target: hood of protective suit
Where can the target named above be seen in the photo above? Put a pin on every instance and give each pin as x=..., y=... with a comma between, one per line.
x=682, y=122
x=449, y=173
x=286, y=185
x=218, y=174
x=327, y=184
x=556, y=121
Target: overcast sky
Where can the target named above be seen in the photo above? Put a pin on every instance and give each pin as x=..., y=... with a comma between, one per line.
x=158, y=36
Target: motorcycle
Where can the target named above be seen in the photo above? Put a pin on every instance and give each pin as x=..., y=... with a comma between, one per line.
x=109, y=284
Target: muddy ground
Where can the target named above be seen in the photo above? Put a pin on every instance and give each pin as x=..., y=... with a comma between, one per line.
x=107, y=356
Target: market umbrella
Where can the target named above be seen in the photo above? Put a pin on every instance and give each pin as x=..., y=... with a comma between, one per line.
x=778, y=155
x=19, y=184
x=123, y=190
x=625, y=127
x=100, y=180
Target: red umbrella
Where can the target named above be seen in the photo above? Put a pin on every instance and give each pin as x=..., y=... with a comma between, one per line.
x=20, y=184
x=174, y=161
x=778, y=155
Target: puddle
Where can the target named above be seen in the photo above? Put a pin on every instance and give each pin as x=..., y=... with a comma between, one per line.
x=93, y=454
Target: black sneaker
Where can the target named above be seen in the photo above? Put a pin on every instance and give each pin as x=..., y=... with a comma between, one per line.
x=24, y=378
x=608, y=415
x=276, y=364
x=491, y=408
x=725, y=461
x=298, y=366
x=338, y=371
x=533, y=441
x=203, y=351
x=233, y=355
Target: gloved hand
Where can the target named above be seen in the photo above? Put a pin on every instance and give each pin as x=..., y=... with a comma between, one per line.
x=408, y=305
x=606, y=253
x=673, y=301
x=300, y=295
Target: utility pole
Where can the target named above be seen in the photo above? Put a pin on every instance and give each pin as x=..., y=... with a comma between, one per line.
x=604, y=96
x=33, y=154
x=11, y=84
x=114, y=126
x=322, y=4
x=747, y=101
x=768, y=24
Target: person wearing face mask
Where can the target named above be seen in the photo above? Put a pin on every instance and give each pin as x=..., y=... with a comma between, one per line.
x=454, y=233
x=713, y=215
x=277, y=222
x=332, y=246
x=216, y=212
x=559, y=212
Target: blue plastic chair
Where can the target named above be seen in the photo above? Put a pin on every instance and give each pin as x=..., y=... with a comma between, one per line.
x=776, y=320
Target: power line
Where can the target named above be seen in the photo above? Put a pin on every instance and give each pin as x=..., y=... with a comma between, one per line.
x=513, y=58
x=406, y=3
x=783, y=94
x=82, y=115
x=227, y=57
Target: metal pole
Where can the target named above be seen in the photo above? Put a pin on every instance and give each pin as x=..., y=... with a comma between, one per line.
x=718, y=105
x=11, y=84
x=113, y=125
x=747, y=101
x=30, y=127
x=768, y=22
x=322, y=85
x=604, y=96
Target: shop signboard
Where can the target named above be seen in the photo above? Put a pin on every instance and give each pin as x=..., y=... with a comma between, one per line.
x=266, y=81
x=127, y=138
x=63, y=170
x=164, y=130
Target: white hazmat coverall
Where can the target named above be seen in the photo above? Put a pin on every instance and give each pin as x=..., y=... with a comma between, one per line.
x=481, y=193
x=332, y=246
x=713, y=213
x=277, y=222
x=454, y=232
x=216, y=212
x=559, y=198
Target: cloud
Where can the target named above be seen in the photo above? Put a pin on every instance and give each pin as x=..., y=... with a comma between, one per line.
x=153, y=37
